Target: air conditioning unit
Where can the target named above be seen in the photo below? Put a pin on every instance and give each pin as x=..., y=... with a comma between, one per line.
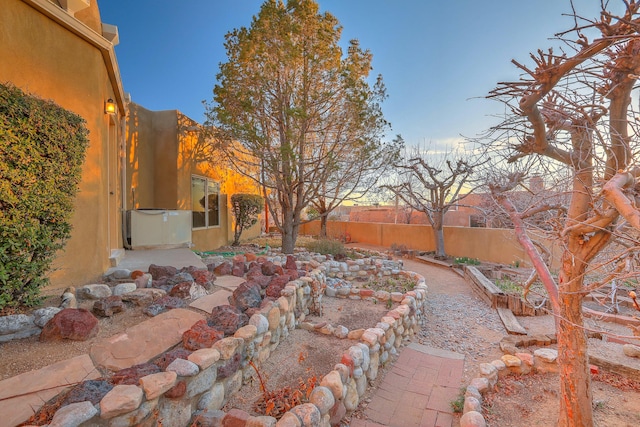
x=159, y=228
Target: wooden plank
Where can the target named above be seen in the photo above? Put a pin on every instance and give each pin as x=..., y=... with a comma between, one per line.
x=510, y=322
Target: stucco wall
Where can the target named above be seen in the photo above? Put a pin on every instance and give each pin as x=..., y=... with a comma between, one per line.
x=49, y=61
x=487, y=244
x=164, y=150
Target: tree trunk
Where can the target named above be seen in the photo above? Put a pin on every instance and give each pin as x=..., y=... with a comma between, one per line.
x=575, y=375
x=288, y=236
x=323, y=226
x=439, y=235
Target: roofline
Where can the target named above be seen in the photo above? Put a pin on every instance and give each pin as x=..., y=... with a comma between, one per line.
x=57, y=14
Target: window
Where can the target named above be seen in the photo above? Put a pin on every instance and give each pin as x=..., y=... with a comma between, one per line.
x=205, y=202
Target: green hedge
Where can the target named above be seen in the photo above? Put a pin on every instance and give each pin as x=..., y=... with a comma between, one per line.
x=42, y=149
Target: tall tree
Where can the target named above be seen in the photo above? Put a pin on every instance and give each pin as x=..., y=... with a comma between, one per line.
x=432, y=184
x=573, y=111
x=294, y=104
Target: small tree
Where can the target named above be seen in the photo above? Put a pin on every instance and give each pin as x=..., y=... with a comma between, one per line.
x=245, y=208
x=433, y=184
x=42, y=148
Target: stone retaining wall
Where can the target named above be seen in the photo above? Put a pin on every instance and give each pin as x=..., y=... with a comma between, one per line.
x=199, y=387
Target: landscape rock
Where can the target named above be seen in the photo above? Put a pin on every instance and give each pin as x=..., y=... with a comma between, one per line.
x=177, y=391
x=120, y=274
x=631, y=350
x=223, y=269
x=17, y=326
x=156, y=384
x=200, y=336
x=245, y=296
x=106, y=307
x=158, y=271
x=91, y=390
x=95, y=291
x=121, y=399
x=183, y=368
x=143, y=281
x=472, y=419
x=239, y=268
x=163, y=304
x=270, y=269
x=227, y=318
x=42, y=315
x=75, y=324
x=167, y=358
x=133, y=374
x=73, y=415
x=202, y=277
x=123, y=288
x=276, y=286
x=143, y=296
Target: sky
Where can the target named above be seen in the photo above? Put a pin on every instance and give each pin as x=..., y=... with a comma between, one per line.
x=438, y=58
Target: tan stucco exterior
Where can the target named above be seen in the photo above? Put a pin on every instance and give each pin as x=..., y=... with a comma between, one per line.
x=164, y=150
x=49, y=53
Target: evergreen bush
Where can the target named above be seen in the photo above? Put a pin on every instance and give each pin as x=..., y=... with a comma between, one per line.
x=42, y=149
x=245, y=208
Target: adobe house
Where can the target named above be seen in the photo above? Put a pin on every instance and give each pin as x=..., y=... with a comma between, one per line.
x=177, y=184
x=61, y=51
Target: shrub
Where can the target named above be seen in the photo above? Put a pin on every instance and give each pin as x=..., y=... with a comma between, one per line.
x=42, y=149
x=245, y=208
x=326, y=246
x=466, y=260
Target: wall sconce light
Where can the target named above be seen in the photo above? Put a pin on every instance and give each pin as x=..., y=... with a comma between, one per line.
x=109, y=106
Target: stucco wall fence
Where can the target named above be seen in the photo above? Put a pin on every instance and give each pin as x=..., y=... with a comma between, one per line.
x=497, y=245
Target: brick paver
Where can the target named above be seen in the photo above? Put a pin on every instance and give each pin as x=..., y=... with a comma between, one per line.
x=417, y=391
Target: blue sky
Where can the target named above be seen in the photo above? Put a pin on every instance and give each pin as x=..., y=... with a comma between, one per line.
x=438, y=58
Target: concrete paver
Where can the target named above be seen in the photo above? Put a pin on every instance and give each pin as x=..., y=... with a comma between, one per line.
x=144, y=341
x=21, y=396
x=229, y=282
x=208, y=302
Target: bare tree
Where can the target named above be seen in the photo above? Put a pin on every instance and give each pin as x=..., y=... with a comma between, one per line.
x=573, y=110
x=433, y=184
x=357, y=168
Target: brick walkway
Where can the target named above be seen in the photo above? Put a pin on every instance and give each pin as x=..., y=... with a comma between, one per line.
x=417, y=391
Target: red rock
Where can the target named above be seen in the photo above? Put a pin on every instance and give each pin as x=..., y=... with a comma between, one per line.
x=75, y=324
x=239, y=268
x=246, y=296
x=291, y=263
x=132, y=375
x=158, y=271
x=348, y=362
x=276, y=286
x=227, y=318
x=136, y=273
x=202, y=277
x=168, y=357
x=293, y=274
x=269, y=268
x=176, y=391
x=250, y=256
x=235, y=418
x=181, y=290
x=223, y=269
x=200, y=336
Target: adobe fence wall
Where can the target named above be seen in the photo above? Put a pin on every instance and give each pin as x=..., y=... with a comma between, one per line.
x=487, y=244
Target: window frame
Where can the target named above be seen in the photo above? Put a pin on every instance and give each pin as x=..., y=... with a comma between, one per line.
x=208, y=184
